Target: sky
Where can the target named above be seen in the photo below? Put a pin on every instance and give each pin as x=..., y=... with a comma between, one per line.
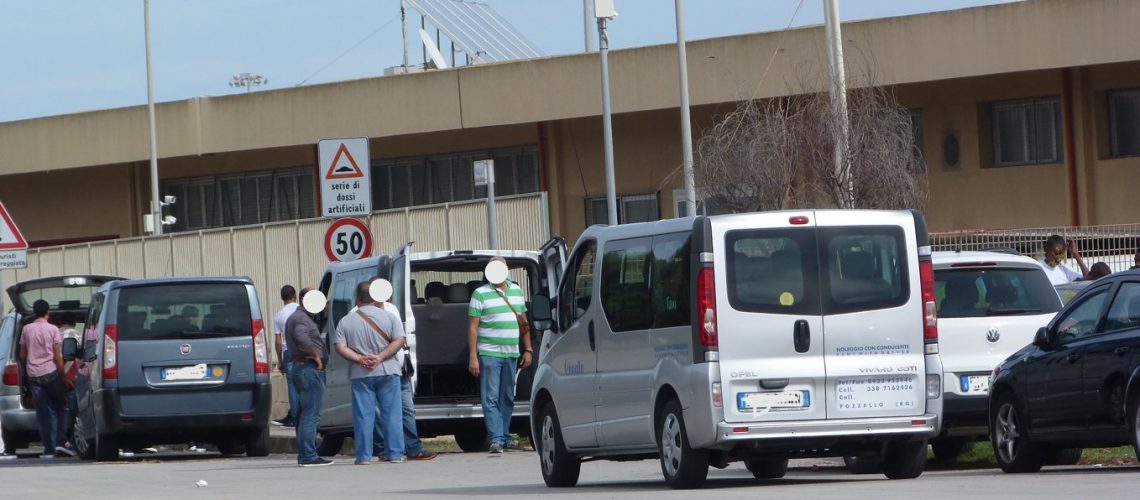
x=68, y=56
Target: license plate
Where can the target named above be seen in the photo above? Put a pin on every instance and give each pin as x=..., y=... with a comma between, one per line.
x=975, y=384
x=194, y=372
x=773, y=400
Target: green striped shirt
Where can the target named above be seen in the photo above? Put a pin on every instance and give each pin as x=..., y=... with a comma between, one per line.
x=498, y=326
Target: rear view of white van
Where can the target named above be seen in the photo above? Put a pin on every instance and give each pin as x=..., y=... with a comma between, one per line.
x=753, y=337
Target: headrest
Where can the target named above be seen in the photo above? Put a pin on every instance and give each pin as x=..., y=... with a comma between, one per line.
x=457, y=293
x=473, y=285
x=859, y=265
x=435, y=289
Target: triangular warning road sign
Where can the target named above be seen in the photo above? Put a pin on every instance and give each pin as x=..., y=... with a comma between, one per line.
x=343, y=170
x=10, y=237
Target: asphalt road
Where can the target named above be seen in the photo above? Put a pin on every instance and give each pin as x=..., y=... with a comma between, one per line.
x=174, y=475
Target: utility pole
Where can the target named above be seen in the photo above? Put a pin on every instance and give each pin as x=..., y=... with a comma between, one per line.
x=587, y=18
x=604, y=10
x=404, y=34
x=839, y=100
x=686, y=126
x=155, y=204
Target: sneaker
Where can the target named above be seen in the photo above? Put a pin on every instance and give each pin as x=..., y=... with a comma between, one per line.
x=423, y=455
x=395, y=461
x=197, y=449
x=382, y=458
x=496, y=449
x=7, y=456
x=513, y=445
x=47, y=456
x=61, y=451
x=126, y=453
x=283, y=422
x=361, y=462
x=149, y=450
x=319, y=462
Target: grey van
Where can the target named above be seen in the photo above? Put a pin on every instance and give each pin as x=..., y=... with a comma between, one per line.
x=753, y=337
x=172, y=360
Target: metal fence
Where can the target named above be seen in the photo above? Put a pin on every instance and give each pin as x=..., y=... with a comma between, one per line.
x=1114, y=245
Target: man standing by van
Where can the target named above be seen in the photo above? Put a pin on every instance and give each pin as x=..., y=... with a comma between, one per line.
x=40, y=343
x=308, y=356
x=493, y=338
x=289, y=297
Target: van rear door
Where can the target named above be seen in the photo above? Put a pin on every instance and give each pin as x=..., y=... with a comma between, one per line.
x=872, y=313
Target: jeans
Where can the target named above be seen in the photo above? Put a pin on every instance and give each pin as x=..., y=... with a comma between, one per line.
x=497, y=393
x=412, y=444
x=310, y=384
x=50, y=397
x=368, y=394
x=291, y=388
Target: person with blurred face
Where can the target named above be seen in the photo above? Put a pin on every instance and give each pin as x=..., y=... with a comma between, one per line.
x=1056, y=249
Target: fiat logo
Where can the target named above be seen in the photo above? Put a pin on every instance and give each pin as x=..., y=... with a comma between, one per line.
x=993, y=335
x=184, y=349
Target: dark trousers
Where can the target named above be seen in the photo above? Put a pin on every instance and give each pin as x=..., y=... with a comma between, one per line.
x=50, y=397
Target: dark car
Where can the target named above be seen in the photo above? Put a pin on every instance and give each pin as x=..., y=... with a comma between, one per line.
x=1077, y=384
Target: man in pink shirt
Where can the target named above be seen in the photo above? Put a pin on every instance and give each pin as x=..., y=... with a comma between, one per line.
x=40, y=349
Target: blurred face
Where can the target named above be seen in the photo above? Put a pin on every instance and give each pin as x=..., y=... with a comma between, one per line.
x=1054, y=254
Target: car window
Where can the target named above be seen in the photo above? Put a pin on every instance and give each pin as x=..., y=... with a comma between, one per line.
x=983, y=292
x=625, y=284
x=669, y=283
x=1080, y=321
x=93, y=313
x=1124, y=313
x=344, y=292
x=184, y=311
x=865, y=268
x=576, y=290
x=772, y=271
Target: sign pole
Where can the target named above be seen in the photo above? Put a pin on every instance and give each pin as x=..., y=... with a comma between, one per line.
x=491, y=206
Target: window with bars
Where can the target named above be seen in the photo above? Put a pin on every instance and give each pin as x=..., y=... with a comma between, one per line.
x=241, y=199
x=1124, y=123
x=1027, y=131
x=429, y=180
x=630, y=208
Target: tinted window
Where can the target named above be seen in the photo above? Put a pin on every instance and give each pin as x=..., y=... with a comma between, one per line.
x=343, y=297
x=1125, y=310
x=625, y=285
x=576, y=290
x=61, y=296
x=669, y=283
x=975, y=293
x=773, y=271
x=186, y=311
x=1080, y=321
x=866, y=268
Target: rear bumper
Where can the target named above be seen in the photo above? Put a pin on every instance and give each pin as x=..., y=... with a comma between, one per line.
x=441, y=419
x=109, y=417
x=918, y=426
x=16, y=418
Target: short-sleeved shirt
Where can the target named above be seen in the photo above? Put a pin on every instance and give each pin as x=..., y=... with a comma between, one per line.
x=1059, y=275
x=498, y=326
x=359, y=336
x=301, y=333
x=282, y=316
x=40, y=338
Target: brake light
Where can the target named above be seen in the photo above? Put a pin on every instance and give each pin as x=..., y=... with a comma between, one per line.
x=111, y=352
x=974, y=264
x=11, y=373
x=717, y=395
x=798, y=220
x=260, y=350
x=929, y=302
x=706, y=306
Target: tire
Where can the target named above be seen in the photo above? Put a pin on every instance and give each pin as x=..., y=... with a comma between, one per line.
x=905, y=460
x=767, y=468
x=472, y=440
x=329, y=444
x=863, y=464
x=84, y=447
x=947, y=450
x=230, y=448
x=560, y=468
x=1134, y=424
x=106, y=447
x=1063, y=456
x=682, y=466
x=1014, y=451
x=257, y=443
x=12, y=441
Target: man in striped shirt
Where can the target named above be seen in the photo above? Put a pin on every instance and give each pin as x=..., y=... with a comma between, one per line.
x=493, y=340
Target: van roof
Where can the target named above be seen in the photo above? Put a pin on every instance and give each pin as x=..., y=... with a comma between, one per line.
x=943, y=259
x=180, y=280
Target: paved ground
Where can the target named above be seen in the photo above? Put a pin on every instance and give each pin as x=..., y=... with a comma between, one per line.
x=174, y=475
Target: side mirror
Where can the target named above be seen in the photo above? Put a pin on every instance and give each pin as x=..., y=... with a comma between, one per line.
x=1041, y=339
x=70, y=349
x=540, y=313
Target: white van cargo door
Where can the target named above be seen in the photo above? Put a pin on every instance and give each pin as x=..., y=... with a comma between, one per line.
x=401, y=278
x=768, y=317
x=871, y=299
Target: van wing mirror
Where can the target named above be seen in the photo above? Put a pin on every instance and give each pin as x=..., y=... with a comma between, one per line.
x=70, y=349
x=1041, y=339
x=540, y=313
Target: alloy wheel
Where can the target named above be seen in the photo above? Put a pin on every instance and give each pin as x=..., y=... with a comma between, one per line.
x=549, y=442
x=671, y=444
x=1007, y=432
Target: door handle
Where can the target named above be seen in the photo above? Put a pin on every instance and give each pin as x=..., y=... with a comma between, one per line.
x=590, y=332
x=801, y=336
x=1073, y=358
x=1120, y=351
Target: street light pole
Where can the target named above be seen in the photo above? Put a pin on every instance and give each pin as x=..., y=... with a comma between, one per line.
x=587, y=16
x=607, y=127
x=839, y=100
x=686, y=126
x=155, y=204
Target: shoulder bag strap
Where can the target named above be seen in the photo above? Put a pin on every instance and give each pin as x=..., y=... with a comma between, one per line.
x=518, y=317
x=374, y=326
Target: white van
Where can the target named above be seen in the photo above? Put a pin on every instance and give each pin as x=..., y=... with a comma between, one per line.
x=753, y=337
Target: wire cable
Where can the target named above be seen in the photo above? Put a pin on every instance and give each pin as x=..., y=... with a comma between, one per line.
x=350, y=49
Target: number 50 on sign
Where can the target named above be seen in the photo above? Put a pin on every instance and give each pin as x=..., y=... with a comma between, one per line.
x=347, y=240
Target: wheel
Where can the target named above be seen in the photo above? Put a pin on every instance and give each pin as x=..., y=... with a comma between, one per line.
x=1063, y=456
x=904, y=460
x=84, y=447
x=106, y=447
x=1012, y=447
x=682, y=466
x=329, y=444
x=472, y=440
x=559, y=467
x=863, y=464
x=1134, y=423
x=947, y=450
x=257, y=443
x=767, y=468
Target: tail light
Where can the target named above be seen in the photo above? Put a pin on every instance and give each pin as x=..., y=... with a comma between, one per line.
x=260, y=350
x=717, y=395
x=929, y=302
x=706, y=306
x=12, y=373
x=111, y=352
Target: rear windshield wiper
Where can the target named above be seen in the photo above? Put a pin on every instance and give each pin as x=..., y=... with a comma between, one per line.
x=1009, y=311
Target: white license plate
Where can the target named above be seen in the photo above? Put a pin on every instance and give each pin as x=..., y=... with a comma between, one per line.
x=772, y=400
x=888, y=392
x=195, y=372
x=975, y=384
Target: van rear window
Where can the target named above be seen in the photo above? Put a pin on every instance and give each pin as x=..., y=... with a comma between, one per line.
x=865, y=268
x=186, y=311
x=773, y=271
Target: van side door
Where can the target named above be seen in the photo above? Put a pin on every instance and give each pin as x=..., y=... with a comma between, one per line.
x=572, y=353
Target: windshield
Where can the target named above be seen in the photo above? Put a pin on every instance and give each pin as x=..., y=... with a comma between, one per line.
x=184, y=311
x=977, y=292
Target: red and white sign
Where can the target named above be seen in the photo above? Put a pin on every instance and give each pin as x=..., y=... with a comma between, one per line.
x=346, y=188
x=13, y=246
x=347, y=239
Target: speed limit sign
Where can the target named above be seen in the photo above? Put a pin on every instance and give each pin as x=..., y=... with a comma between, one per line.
x=347, y=240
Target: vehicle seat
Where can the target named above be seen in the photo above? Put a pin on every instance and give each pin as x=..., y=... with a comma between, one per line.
x=457, y=294
x=961, y=298
x=436, y=290
x=859, y=281
x=1001, y=295
x=414, y=296
x=473, y=285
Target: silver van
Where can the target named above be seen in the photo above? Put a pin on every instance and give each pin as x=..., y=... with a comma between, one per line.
x=754, y=337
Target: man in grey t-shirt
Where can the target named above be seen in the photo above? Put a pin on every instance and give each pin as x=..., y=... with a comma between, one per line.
x=369, y=339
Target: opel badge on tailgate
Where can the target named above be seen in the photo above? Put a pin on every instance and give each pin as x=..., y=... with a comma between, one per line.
x=993, y=335
x=185, y=348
